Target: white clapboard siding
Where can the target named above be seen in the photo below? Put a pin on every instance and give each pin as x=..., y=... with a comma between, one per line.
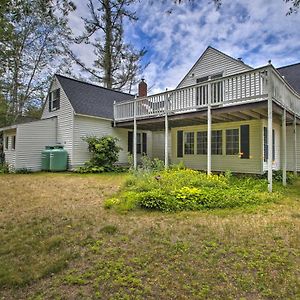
x=31, y=141
x=223, y=162
x=10, y=154
x=212, y=62
x=158, y=144
x=89, y=126
x=290, y=148
x=65, y=119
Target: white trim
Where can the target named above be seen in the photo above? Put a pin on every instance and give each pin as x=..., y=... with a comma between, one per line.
x=89, y=116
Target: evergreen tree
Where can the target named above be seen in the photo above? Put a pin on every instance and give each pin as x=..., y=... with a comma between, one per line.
x=117, y=63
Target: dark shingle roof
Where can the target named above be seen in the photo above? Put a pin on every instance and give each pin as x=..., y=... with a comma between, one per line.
x=292, y=75
x=90, y=99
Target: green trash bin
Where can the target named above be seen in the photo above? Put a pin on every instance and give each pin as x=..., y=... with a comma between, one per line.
x=58, y=159
x=46, y=158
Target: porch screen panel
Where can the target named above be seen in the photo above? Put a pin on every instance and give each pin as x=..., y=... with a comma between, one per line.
x=245, y=142
x=130, y=142
x=180, y=143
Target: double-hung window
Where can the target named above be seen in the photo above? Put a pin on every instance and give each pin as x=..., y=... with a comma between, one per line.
x=266, y=148
x=141, y=142
x=54, y=100
x=13, y=142
x=232, y=141
x=189, y=141
x=202, y=142
x=6, y=143
x=216, y=142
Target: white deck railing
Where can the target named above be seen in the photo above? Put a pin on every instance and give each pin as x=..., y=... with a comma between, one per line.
x=250, y=86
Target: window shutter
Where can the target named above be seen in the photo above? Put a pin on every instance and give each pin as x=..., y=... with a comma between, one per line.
x=180, y=143
x=50, y=100
x=245, y=142
x=130, y=142
x=144, y=150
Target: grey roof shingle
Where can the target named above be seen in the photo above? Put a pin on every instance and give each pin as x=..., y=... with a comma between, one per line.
x=292, y=75
x=90, y=99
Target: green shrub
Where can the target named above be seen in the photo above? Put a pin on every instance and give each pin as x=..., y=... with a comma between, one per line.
x=4, y=168
x=104, y=154
x=277, y=176
x=184, y=189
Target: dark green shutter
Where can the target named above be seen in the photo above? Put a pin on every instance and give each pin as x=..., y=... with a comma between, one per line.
x=180, y=143
x=245, y=142
x=144, y=140
x=130, y=142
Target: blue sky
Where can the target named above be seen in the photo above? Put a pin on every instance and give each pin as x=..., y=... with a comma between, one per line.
x=255, y=30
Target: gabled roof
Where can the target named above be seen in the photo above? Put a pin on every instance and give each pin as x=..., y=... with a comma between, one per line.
x=90, y=99
x=291, y=74
x=218, y=51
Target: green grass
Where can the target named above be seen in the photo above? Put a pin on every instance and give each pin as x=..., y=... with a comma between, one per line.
x=58, y=242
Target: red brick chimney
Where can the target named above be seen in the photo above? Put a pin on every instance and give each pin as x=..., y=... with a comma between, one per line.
x=142, y=88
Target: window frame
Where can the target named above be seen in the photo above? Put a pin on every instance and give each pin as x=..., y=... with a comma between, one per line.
x=6, y=142
x=265, y=144
x=13, y=142
x=234, y=143
x=54, y=100
x=189, y=142
x=201, y=142
x=218, y=142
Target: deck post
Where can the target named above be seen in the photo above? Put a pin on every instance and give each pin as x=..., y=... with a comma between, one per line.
x=209, y=129
x=270, y=132
x=283, y=127
x=134, y=135
x=166, y=132
x=295, y=145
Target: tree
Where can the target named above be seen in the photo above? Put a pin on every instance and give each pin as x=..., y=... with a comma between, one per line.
x=295, y=4
x=32, y=34
x=117, y=63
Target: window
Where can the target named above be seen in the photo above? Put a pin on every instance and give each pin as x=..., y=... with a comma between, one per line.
x=189, y=143
x=266, y=151
x=216, y=142
x=232, y=141
x=54, y=100
x=202, y=142
x=202, y=79
x=13, y=142
x=141, y=142
x=6, y=142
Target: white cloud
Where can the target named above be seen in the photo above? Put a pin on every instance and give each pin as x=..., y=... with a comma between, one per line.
x=255, y=30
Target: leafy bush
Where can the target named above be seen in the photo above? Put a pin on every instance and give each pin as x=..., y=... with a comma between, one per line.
x=277, y=176
x=105, y=152
x=184, y=189
x=4, y=168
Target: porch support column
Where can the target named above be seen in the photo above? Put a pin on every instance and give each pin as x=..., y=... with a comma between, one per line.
x=166, y=132
x=283, y=128
x=295, y=145
x=270, y=131
x=134, y=135
x=209, y=129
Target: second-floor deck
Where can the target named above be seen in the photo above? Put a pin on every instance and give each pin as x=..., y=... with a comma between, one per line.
x=247, y=87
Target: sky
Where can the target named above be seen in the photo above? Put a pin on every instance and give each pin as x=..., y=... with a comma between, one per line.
x=175, y=36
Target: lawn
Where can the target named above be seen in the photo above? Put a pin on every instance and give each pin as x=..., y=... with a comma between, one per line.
x=58, y=242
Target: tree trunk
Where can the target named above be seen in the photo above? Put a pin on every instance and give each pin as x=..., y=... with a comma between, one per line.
x=107, y=59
